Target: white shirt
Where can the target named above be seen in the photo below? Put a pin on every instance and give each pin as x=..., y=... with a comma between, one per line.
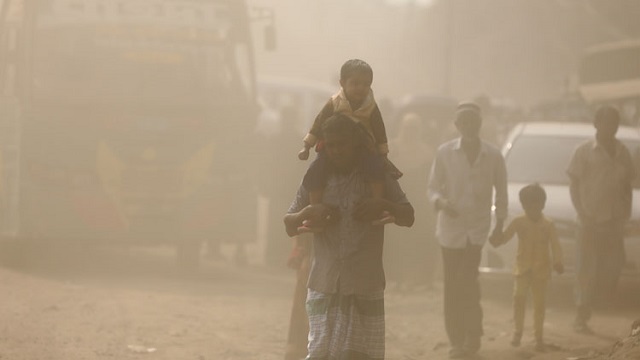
x=604, y=181
x=469, y=188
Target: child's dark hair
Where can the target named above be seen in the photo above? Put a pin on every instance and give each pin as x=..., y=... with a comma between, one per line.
x=531, y=193
x=355, y=66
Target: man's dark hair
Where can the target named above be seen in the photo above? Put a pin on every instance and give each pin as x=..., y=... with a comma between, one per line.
x=607, y=113
x=355, y=66
x=339, y=124
x=531, y=193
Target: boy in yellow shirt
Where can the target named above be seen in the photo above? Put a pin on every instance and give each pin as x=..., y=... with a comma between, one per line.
x=538, y=251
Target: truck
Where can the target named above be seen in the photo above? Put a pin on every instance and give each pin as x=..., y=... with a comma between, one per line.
x=117, y=119
x=609, y=73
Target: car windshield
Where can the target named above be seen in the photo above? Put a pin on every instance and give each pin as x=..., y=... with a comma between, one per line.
x=544, y=159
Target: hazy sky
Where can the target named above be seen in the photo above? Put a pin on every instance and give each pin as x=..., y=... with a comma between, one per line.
x=516, y=49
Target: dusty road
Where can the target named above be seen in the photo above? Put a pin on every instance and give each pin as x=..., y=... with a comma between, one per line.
x=71, y=304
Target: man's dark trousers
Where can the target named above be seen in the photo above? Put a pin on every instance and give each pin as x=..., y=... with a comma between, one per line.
x=462, y=311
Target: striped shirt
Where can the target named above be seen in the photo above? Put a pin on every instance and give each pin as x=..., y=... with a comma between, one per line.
x=348, y=254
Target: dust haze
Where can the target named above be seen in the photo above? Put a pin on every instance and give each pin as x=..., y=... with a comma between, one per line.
x=148, y=153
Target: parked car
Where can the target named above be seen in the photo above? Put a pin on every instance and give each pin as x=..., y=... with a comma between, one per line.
x=540, y=152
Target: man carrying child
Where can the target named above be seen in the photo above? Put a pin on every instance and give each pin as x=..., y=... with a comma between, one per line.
x=345, y=300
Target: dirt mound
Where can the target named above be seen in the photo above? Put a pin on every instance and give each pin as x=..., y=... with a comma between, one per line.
x=627, y=348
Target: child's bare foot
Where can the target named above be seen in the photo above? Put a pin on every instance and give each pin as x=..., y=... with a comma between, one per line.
x=386, y=218
x=303, y=154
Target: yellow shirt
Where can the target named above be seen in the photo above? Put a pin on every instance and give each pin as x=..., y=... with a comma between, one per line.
x=537, y=243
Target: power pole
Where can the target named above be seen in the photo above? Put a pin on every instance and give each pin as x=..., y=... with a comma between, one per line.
x=448, y=47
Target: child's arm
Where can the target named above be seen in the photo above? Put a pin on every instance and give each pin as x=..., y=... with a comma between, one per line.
x=379, y=132
x=316, y=130
x=497, y=239
x=556, y=250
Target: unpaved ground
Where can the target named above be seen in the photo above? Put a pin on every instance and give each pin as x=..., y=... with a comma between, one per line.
x=71, y=304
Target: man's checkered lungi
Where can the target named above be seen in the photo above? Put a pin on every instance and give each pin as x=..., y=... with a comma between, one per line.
x=345, y=327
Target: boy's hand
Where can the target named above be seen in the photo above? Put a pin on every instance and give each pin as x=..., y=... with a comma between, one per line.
x=559, y=268
x=303, y=154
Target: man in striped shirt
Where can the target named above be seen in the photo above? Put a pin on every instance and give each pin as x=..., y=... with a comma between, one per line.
x=345, y=300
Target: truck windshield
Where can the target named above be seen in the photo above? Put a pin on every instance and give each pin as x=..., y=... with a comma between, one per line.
x=610, y=66
x=148, y=51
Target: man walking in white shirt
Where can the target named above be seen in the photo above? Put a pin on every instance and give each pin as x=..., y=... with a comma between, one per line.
x=464, y=175
x=601, y=173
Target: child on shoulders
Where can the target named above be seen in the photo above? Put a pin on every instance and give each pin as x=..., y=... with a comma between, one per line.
x=355, y=100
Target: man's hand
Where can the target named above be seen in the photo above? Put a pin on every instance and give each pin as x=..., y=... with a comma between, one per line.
x=497, y=233
x=370, y=209
x=319, y=214
x=559, y=268
x=496, y=239
x=445, y=206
